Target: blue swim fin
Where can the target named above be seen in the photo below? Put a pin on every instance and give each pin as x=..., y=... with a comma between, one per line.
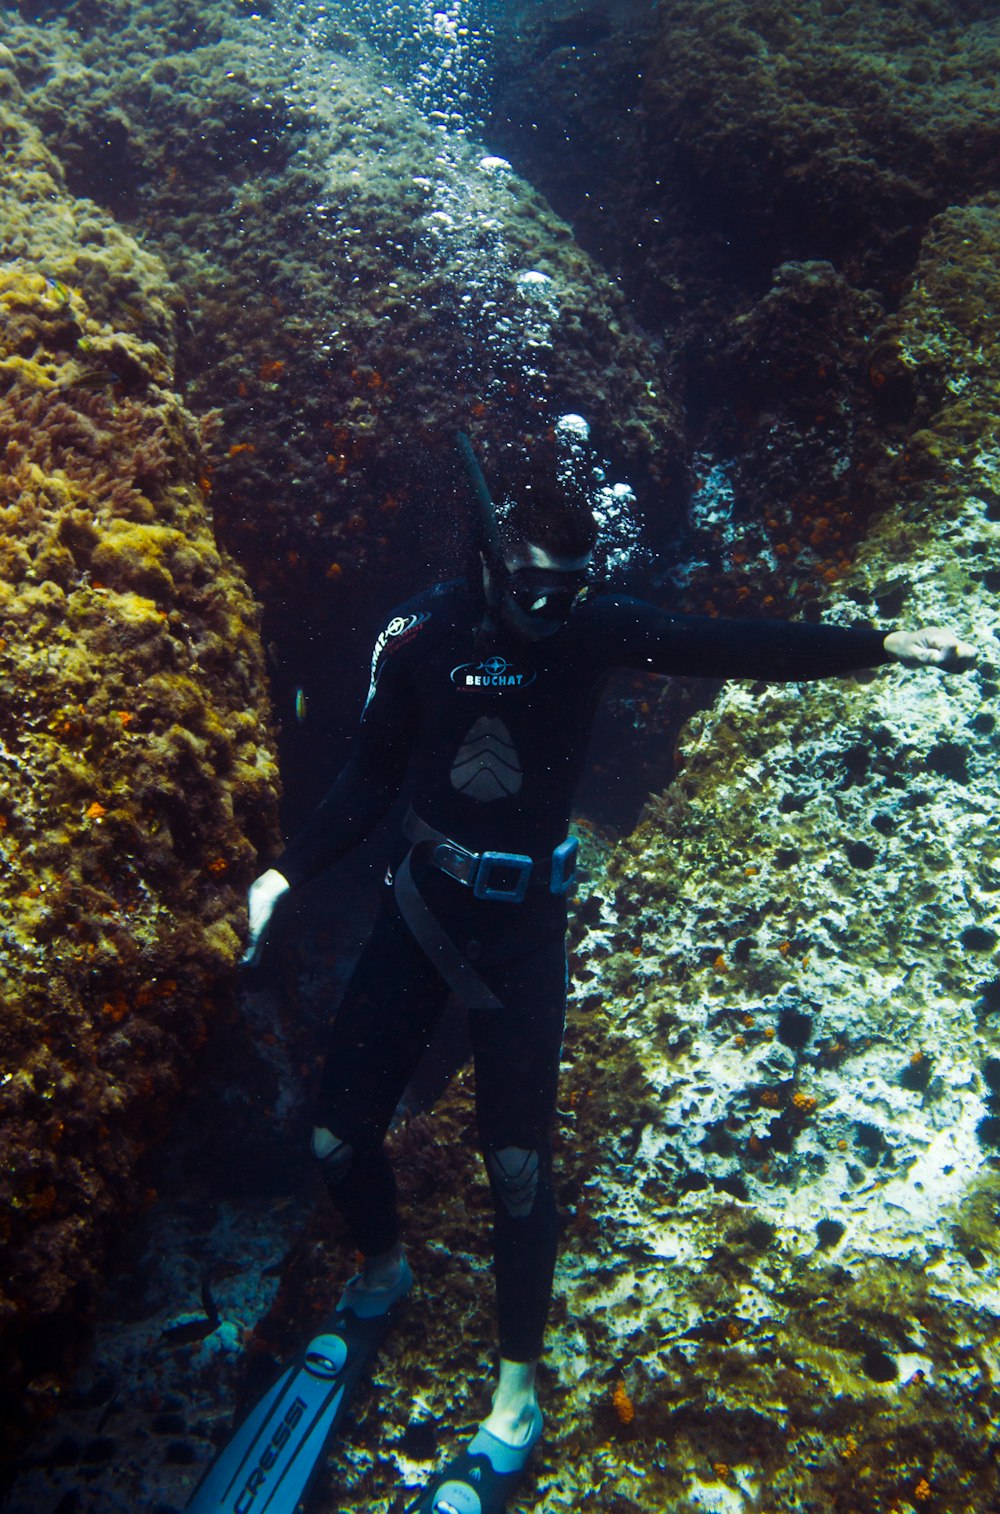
x=268, y=1465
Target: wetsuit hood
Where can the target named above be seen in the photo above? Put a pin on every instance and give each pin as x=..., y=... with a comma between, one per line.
x=531, y=599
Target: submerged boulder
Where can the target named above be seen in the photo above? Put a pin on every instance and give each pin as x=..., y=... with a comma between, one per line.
x=361, y=280
x=137, y=778
x=790, y=1166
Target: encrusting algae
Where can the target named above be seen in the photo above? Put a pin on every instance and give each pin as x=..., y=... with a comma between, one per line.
x=137, y=777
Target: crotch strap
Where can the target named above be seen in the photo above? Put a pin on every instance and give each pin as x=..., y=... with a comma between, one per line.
x=460, y=976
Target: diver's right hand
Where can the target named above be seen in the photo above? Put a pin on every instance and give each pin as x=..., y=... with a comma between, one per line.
x=264, y=894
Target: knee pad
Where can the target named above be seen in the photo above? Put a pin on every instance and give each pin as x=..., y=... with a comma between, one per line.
x=333, y=1155
x=514, y=1174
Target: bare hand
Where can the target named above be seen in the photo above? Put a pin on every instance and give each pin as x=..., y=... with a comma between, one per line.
x=264, y=895
x=932, y=646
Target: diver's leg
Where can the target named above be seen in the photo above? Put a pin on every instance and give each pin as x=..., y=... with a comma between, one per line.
x=384, y=1022
x=517, y=1067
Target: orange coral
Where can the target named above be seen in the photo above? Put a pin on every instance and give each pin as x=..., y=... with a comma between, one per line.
x=624, y=1407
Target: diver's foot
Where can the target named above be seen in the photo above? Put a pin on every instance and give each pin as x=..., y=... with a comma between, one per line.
x=480, y=1479
x=516, y=1425
x=375, y=1290
x=384, y=1270
x=514, y=1414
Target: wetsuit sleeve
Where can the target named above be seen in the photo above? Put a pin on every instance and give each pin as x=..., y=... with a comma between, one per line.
x=635, y=634
x=367, y=785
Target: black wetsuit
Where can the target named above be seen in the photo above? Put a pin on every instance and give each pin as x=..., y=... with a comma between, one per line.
x=490, y=741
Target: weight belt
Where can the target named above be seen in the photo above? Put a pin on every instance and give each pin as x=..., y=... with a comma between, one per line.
x=504, y=877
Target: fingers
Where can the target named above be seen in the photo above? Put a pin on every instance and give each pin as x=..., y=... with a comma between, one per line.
x=932, y=646
x=945, y=650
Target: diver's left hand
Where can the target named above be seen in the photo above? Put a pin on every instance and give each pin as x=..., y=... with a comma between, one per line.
x=930, y=647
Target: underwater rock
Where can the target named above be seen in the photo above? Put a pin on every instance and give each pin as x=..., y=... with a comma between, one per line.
x=833, y=131
x=703, y=145
x=137, y=778
x=360, y=281
x=761, y=181
x=784, y=990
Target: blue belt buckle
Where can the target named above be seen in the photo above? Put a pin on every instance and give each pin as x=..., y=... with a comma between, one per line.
x=483, y=889
x=564, y=866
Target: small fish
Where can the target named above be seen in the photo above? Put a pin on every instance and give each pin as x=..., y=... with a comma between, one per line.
x=208, y=1303
x=59, y=289
x=301, y=707
x=187, y=1332
x=94, y=378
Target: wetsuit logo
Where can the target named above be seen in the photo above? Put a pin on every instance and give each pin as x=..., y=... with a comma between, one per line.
x=494, y=673
x=400, y=630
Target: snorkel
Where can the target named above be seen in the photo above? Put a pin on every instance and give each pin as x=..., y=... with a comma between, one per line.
x=489, y=538
x=534, y=596
x=480, y=488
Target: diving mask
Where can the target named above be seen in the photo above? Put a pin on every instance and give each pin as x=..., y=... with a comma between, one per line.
x=544, y=593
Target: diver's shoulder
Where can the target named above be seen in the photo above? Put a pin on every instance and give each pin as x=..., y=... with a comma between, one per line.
x=438, y=602
x=422, y=619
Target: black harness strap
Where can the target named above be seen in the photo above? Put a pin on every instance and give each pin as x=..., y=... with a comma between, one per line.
x=459, y=975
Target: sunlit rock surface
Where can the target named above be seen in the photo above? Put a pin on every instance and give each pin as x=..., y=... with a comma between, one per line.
x=794, y=979
x=137, y=780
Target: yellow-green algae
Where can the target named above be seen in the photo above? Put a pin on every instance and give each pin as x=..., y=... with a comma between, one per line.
x=137, y=776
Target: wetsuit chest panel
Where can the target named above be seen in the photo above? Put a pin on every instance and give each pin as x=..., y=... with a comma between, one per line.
x=486, y=765
x=500, y=738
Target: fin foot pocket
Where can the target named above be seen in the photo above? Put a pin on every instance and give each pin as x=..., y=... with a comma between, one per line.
x=325, y=1356
x=480, y=1479
x=273, y=1457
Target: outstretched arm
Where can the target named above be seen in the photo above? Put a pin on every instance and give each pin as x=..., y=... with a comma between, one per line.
x=632, y=633
x=931, y=646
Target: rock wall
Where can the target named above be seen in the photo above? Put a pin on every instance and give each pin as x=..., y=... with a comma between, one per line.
x=780, y=1118
x=761, y=179
x=359, y=282
x=137, y=777
x=794, y=977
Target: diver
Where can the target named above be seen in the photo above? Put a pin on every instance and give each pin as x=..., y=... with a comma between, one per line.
x=480, y=706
